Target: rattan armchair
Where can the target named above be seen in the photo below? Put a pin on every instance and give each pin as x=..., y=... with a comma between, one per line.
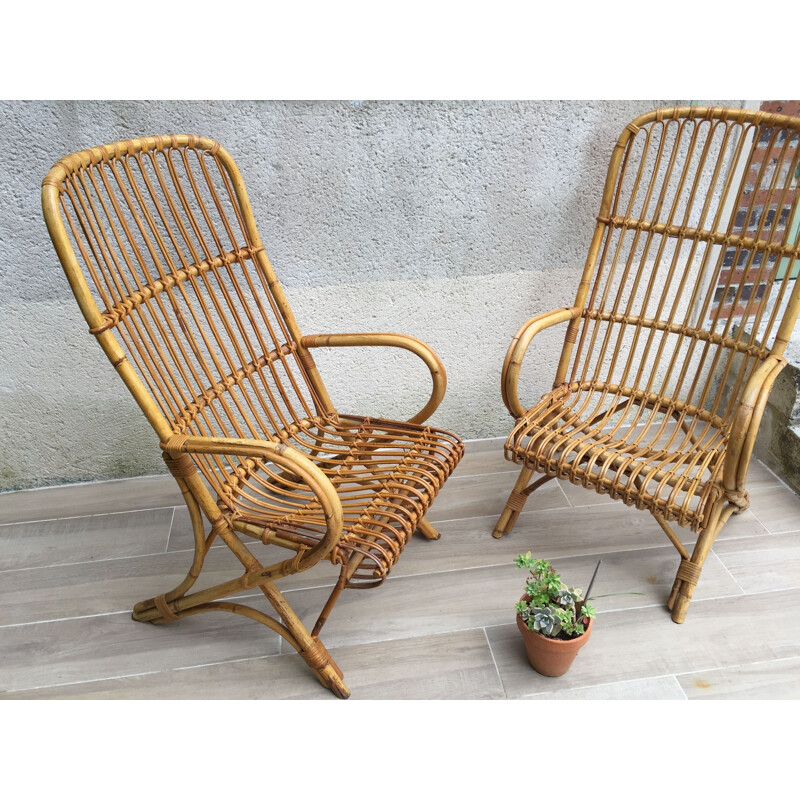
x=158, y=242
x=678, y=329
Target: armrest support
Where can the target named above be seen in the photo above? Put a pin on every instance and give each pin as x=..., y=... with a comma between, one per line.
x=292, y=461
x=516, y=352
x=746, y=422
x=416, y=346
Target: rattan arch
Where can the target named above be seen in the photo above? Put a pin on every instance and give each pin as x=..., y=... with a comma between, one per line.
x=678, y=328
x=158, y=241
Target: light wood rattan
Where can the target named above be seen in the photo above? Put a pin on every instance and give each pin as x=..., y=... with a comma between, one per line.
x=158, y=241
x=678, y=328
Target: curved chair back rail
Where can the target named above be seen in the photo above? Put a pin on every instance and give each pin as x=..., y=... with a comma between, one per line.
x=679, y=324
x=157, y=238
x=683, y=273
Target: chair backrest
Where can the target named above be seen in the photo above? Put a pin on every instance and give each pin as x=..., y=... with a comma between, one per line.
x=157, y=238
x=688, y=282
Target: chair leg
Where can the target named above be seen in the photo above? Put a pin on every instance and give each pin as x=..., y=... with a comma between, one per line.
x=689, y=570
x=514, y=504
x=426, y=529
x=160, y=604
x=177, y=604
x=313, y=652
x=291, y=629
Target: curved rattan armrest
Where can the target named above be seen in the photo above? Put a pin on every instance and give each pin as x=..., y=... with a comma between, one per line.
x=291, y=460
x=416, y=346
x=516, y=352
x=746, y=422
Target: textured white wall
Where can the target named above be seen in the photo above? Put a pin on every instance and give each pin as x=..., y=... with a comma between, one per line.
x=451, y=221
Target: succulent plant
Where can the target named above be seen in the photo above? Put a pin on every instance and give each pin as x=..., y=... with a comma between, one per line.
x=551, y=608
x=545, y=621
x=566, y=597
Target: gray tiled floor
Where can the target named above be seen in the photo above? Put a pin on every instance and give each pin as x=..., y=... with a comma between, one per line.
x=73, y=560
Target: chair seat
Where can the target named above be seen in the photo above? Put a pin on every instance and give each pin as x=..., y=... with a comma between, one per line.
x=386, y=474
x=646, y=454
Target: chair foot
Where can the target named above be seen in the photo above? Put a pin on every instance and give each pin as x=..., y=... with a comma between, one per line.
x=514, y=504
x=143, y=611
x=316, y=655
x=509, y=515
x=679, y=608
x=331, y=678
x=673, y=594
x=427, y=530
x=683, y=589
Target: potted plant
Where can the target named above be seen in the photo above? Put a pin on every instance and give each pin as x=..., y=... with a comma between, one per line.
x=555, y=620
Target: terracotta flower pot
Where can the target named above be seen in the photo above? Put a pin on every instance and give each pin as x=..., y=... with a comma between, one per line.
x=551, y=657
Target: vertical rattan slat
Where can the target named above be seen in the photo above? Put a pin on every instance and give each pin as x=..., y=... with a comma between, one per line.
x=157, y=239
x=678, y=328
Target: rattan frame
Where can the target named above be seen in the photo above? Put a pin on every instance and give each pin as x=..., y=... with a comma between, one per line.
x=202, y=335
x=576, y=432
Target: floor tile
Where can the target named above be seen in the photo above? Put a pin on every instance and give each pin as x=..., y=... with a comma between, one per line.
x=763, y=564
x=766, y=680
x=449, y=666
x=644, y=643
x=115, y=585
x=777, y=508
x=470, y=598
x=74, y=560
x=50, y=653
x=760, y=477
x=484, y=456
x=549, y=533
x=65, y=541
x=578, y=496
x=486, y=495
x=666, y=688
x=102, y=587
x=104, y=497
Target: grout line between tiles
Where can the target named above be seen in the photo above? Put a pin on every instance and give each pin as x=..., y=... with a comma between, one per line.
x=169, y=530
x=567, y=500
x=64, y=619
x=98, y=560
x=81, y=683
x=139, y=674
x=766, y=527
x=226, y=661
x=494, y=661
x=585, y=686
x=776, y=476
x=673, y=675
x=722, y=564
x=680, y=688
x=88, y=516
x=738, y=666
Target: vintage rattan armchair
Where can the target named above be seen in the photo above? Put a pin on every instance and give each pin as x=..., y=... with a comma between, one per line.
x=158, y=242
x=678, y=329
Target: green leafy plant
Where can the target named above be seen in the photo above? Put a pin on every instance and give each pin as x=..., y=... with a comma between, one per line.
x=552, y=608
